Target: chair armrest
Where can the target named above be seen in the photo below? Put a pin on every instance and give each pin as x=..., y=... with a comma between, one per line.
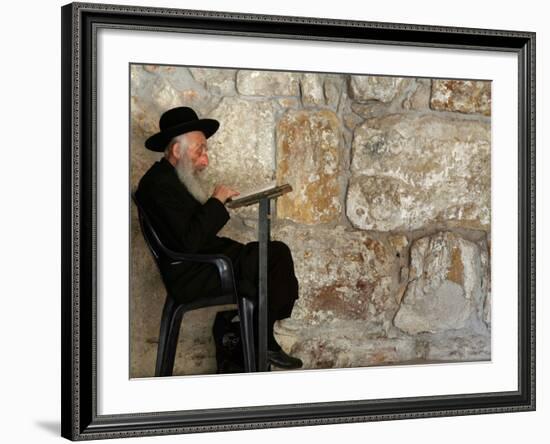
x=220, y=261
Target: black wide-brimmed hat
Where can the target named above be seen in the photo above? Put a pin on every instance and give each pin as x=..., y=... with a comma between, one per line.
x=177, y=121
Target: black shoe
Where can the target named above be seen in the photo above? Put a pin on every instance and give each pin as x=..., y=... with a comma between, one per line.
x=280, y=359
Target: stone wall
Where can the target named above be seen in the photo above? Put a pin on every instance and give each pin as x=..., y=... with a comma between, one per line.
x=388, y=220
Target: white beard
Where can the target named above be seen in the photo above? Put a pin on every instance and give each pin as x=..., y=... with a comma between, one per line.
x=188, y=177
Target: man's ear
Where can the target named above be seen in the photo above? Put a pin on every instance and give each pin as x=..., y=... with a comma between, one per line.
x=175, y=151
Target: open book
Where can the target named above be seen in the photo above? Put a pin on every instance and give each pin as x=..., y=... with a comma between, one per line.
x=254, y=195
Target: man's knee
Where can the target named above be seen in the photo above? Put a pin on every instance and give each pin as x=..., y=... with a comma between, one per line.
x=278, y=251
x=279, y=248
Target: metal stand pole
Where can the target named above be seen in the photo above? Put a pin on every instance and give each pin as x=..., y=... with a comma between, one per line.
x=264, y=219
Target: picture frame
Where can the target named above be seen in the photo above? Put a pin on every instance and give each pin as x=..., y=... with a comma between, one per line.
x=81, y=390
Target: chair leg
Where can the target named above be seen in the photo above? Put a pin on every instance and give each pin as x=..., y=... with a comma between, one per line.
x=168, y=338
x=246, y=315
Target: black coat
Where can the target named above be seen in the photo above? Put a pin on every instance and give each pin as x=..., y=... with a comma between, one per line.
x=185, y=225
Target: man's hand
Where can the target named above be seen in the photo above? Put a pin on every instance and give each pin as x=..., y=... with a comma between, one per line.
x=223, y=192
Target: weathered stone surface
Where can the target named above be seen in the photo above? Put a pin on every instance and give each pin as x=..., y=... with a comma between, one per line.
x=409, y=171
x=142, y=357
x=383, y=89
x=242, y=151
x=342, y=344
x=464, y=96
x=312, y=89
x=334, y=87
x=309, y=157
x=141, y=127
x=418, y=97
x=444, y=290
x=155, y=89
x=487, y=310
x=371, y=109
x=146, y=300
x=343, y=275
x=268, y=83
x=374, y=203
x=485, y=249
x=158, y=69
x=142, y=108
x=289, y=102
x=179, y=88
x=216, y=80
x=351, y=120
x=399, y=242
x=457, y=346
x=244, y=145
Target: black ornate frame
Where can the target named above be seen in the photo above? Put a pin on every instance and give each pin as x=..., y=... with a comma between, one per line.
x=80, y=420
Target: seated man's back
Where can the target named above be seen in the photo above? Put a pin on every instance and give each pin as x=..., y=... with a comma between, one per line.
x=185, y=225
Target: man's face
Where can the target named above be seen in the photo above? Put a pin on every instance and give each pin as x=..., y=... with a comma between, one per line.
x=189, y=164
x=197, y=151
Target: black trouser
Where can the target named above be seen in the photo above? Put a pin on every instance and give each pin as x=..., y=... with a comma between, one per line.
x=282, y=285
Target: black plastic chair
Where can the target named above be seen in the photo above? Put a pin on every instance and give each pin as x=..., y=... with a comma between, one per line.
x=173, y=311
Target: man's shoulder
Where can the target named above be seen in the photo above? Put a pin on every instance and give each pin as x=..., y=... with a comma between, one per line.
x=156, y=178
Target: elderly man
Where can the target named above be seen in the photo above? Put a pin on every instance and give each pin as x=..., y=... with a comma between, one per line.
x=187, y=220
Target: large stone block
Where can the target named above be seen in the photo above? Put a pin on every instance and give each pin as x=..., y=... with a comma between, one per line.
x=464, y=96
x=163, y=87
x=242, y=152
x=309, y=157
x=418, y=96
x=142, y=109
x=413, y=170
x=311, y=87
x=216, y=80
x=458, y=346
x=334, y=89
x=343, y=275
x=342, y=344
x=268, y=83
x=383, y=89
x=444, y=291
